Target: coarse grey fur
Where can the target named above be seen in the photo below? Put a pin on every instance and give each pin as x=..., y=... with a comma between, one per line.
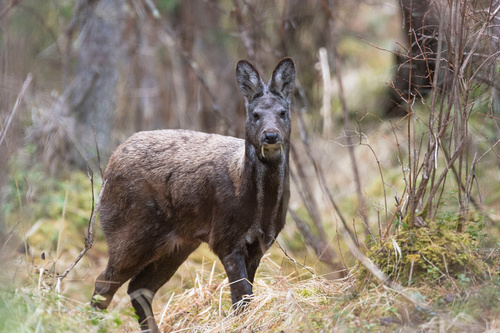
x=169, y=190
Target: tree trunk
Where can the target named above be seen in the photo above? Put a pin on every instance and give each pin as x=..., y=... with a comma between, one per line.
x=421, y=23
x=94, y=101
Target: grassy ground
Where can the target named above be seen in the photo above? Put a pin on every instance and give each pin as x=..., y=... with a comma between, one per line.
x=297, y=302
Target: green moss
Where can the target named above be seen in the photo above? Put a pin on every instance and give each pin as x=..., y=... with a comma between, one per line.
x=428, y=255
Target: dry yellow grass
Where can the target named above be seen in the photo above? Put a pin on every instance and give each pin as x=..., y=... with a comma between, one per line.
x=288, y=297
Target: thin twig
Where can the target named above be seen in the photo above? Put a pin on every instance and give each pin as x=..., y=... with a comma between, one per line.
x=89, y=239
x=445, y=171
x=367, y=144
x=381, y=48
x=309, y=269
x=319, y=173
x=98, y=155
x=478, y=39
x=411, y=185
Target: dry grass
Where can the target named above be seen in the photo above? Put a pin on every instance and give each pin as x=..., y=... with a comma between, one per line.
x=288, y=298
x=280, y=301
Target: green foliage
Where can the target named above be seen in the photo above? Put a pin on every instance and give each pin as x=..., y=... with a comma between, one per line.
x=38, y=201
x=30, y=310
x=168, y=6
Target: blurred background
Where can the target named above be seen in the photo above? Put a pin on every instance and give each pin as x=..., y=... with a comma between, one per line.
x=395, y=114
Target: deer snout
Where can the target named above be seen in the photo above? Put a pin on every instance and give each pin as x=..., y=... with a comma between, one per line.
x=271, y=144
x=271, y=138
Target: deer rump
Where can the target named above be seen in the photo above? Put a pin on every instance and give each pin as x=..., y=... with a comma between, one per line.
x=169, y=190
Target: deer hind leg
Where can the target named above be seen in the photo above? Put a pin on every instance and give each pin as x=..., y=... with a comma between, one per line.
x=123, y=264
x=145, y=284
x=107, y=283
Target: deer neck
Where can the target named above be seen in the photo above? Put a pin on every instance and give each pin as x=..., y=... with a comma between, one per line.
x=268, y=183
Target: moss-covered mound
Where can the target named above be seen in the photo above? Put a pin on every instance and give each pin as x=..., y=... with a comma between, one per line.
x=423, y=255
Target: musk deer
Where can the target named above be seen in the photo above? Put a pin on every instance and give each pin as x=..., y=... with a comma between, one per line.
x=169, y=190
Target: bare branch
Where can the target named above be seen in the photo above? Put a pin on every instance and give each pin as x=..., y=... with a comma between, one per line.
x=89, y=239
x=309, y=269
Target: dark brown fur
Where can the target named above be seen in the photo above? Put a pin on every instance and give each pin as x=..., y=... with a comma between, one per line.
x=169, y=190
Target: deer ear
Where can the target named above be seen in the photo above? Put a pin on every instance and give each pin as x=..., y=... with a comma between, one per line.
x=283, y=79
x=249, y=80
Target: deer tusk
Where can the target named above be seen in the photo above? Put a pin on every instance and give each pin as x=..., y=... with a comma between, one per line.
x=281, y=149
x=262, y=147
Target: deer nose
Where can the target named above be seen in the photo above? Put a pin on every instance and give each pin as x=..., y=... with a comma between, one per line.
x=271, y=138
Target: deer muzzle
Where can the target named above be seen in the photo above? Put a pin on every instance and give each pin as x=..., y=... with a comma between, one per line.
x=271, y=149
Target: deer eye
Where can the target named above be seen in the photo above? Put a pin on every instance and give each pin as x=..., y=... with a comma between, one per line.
x=256, y=116
x=283, y=114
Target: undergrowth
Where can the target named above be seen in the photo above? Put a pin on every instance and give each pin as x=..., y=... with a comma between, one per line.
x=280, y=304
x=435, y=254
x=28, y=310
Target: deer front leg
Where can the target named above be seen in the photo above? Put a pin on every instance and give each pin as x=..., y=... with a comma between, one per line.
x=234, y=264
x=255, y=251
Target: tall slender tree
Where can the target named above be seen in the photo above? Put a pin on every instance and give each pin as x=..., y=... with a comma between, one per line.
x=93, y=101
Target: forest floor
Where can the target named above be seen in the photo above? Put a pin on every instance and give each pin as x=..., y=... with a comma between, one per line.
x=289, y=297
